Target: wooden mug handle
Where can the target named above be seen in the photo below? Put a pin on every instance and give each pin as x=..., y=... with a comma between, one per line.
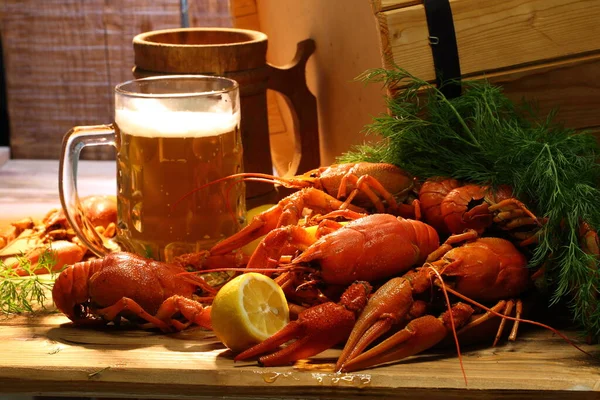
x=290, y=81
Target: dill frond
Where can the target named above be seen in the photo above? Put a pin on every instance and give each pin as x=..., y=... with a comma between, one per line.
x=28, y=293
x=484, y=137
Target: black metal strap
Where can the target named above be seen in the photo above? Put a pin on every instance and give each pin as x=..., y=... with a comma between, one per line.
x=442, y=39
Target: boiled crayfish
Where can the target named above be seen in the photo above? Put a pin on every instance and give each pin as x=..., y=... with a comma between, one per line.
x=316, y=329
x=483, y=269
x=319, y=271
x=343, y=186
x=124, y=285
x=486, y=269
x=26, y=240
x=452, y=207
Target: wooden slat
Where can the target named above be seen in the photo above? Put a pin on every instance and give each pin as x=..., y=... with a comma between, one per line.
x=48, y=94
x=51, y=357
x=571, y=86
x=64, y=57
x=493, y=35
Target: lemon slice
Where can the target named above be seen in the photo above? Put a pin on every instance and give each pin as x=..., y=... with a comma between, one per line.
x=247, y=310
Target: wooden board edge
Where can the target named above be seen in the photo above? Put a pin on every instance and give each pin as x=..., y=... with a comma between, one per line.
x=509, y=74
x=96, y=387
x=385, y=46
x=377, y=5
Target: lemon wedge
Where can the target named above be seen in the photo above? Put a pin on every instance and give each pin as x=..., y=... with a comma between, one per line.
x=247, y=310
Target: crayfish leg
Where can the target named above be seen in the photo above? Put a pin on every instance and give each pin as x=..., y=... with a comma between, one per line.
x=259, y=226
x=450, y=242
x=366, y=184
x=130, y=307
x=373, y=333
x=191, y=310
x=519, y=311
x=302, y=348
x=510, y=304
x=279, y=242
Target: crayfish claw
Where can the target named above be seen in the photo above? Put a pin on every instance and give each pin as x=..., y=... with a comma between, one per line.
x=387, y=307
x=419, y=335
x=287, y=333
x=317, y=329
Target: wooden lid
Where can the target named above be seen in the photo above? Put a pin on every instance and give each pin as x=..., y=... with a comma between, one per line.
x=200, y=50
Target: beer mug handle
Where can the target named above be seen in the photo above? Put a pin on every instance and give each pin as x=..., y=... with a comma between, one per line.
x=73, y=142
x=290, y=81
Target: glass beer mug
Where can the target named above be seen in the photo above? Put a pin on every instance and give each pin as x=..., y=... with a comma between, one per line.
x=174, y=136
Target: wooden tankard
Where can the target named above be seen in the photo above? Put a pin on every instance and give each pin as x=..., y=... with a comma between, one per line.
x=240, y=54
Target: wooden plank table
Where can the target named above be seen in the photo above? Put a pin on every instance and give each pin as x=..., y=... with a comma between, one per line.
x=45, y=355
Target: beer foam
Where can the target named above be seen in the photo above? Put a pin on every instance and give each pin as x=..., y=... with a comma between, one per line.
x=161, y=122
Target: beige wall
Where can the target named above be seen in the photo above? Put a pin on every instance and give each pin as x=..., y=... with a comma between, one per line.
x=347, y=44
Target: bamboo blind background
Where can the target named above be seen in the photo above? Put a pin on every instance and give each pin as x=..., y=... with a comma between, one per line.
x=64, y=57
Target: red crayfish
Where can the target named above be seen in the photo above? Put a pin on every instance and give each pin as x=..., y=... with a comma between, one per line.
x=126, y=285
x=451, y=207
x=316, y=329
x=481, y=269
x=369, y=248
x=342, y=186
x=378, y=250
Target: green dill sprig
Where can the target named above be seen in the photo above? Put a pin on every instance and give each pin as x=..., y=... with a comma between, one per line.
x=21, y=289
x=484, y=137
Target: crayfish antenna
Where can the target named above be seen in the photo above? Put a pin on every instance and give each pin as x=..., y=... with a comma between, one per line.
x=284, y=268
x=249, y=176
x=453, y=325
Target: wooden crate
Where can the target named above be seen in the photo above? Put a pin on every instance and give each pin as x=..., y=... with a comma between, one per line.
x=547, y=50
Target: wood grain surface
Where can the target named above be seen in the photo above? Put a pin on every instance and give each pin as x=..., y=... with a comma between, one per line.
x=30, y=187
x=494, y=35
x=536, y=50
x=48, y=355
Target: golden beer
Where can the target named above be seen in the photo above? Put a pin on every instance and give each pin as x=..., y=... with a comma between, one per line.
x=175, y=135
x=163, y=156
